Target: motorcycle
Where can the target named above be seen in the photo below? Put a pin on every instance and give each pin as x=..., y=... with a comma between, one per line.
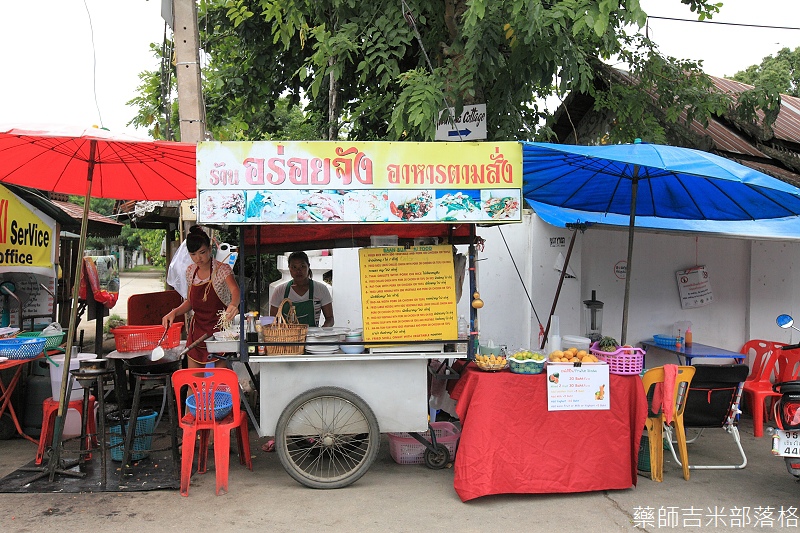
x=786, y=411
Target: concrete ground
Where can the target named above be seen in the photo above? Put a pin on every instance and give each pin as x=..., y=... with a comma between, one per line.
x=392, y=497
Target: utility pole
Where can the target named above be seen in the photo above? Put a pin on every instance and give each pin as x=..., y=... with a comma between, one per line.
x=187, y=55
x=191, y=110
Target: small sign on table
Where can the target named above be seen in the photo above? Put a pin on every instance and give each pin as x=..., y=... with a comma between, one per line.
x=572, y=388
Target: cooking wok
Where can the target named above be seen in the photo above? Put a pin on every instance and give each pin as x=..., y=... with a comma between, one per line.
x=171, y=361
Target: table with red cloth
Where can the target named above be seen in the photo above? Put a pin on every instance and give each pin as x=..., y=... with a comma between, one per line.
x=511, y=443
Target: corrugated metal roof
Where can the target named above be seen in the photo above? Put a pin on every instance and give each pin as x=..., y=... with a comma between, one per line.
x=787, y=125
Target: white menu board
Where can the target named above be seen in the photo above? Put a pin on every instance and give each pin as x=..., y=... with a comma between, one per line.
x=573, y=388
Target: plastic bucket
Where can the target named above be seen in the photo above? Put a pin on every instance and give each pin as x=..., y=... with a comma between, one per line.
x=581, y=343
x=57, y=371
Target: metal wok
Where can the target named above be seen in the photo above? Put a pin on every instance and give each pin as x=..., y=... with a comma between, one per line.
x=171, y=361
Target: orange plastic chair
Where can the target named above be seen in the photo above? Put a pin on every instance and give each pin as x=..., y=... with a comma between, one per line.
x=758, y=385
x=655, y=418
x=204, y=383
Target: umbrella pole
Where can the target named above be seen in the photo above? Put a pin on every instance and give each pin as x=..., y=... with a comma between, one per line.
x=628, y=269
x=58, y=428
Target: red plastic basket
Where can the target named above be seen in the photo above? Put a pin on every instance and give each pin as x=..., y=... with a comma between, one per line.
x=406, y=450
x=143, y=338
x=623, y=361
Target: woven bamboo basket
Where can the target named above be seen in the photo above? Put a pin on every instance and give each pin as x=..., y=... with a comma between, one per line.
x=285, y=330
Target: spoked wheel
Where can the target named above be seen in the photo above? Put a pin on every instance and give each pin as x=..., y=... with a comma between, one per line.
x=327, y=438
x=436, y=459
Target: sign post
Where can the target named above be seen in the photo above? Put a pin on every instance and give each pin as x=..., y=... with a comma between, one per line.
x=470, y=125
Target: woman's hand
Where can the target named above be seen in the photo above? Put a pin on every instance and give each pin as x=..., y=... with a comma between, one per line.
x=231, y=311
x=168, y=319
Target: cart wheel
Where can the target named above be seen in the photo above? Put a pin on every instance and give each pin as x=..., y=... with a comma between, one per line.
x=327, y=438
x=436, y=459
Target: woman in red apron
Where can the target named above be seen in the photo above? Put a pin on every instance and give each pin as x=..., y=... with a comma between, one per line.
x=212, y=288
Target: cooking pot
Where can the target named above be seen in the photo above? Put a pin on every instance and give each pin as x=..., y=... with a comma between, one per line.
x=93, y=365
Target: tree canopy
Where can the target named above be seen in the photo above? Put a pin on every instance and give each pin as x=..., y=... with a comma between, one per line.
x=781, y=72
x=383, y=70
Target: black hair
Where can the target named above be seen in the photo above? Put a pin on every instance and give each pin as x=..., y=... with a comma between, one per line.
x=196, y=239
x=300, y=256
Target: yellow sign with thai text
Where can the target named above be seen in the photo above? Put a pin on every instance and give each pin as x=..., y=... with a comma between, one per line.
x=26, y=236
x=339, y=181
x=408, y=294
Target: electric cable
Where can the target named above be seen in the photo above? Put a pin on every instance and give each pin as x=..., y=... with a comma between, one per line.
x=94, y=64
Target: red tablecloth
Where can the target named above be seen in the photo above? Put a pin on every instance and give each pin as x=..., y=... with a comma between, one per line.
x=510, y=443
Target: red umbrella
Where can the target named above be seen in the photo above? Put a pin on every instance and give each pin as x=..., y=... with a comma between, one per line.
x=93, y=163
x=121, y=167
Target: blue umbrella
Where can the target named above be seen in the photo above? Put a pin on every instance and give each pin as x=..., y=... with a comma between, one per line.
x=650, y=180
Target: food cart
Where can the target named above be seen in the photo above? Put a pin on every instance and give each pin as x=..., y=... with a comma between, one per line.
x=327, y=410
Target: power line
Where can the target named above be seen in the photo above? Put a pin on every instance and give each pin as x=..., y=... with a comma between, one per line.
x=726, y=23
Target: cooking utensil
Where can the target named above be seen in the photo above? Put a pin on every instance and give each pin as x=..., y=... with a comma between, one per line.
x=158, y=351
x=170, y=362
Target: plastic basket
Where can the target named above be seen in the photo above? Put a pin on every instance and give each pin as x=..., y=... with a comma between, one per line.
x=525, y=366
x=143, y=437
x=406, y=450
x=223, y=404
x=24, y=348
x=53, y=340
x=667, y=340
x=621, y=361
x=144, y=338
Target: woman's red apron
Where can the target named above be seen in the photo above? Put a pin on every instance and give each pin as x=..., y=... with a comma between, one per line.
x=205, y=317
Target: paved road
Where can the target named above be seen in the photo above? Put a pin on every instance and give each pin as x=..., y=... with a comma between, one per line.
x=402, y=498
x=130, y=283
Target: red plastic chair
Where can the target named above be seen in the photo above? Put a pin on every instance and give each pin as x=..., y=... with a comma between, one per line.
x=758, y=386
x=203, y=383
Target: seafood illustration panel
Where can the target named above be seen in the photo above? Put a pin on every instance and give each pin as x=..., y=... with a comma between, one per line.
x=221, y=206
x=366, y=206
x=501, y=204
x=320, y=206
x=458, y=205
x=271, y=206
x=411, y=205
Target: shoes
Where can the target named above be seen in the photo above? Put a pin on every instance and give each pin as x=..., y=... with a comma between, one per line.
x=268, y=446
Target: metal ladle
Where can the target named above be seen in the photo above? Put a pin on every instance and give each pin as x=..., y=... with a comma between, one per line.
x=158, y=351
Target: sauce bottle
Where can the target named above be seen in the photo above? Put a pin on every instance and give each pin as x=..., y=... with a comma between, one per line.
x=688, y=340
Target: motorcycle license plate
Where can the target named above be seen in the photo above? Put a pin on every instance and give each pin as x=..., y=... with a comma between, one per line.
x=788, y=443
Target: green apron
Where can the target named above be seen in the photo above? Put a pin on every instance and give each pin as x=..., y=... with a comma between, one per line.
x=304, y=310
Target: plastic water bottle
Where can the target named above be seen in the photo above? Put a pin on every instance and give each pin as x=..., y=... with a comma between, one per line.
x=463, y=333
x=554, y=342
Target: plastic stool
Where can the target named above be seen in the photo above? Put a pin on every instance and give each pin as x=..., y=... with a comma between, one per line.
x=49, y=412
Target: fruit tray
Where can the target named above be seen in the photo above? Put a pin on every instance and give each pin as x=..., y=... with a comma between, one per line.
x=526, y=366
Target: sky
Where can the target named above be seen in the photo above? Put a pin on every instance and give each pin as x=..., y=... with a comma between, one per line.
x=49, y=74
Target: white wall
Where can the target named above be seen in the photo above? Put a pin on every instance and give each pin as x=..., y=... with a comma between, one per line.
x=654, y=300
x=752, y=282
x=775, y=286
x=507, y=316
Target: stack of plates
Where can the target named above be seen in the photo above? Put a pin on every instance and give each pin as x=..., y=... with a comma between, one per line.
x=312, y=341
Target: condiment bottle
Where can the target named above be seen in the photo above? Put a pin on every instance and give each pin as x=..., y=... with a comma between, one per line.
x=251, y=335
x=463, y=333
x=678, y=340
x=688, y=340
x=262, y=350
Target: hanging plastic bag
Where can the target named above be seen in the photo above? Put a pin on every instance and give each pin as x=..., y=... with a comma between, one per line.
x=52, y=329
x=176, y=273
